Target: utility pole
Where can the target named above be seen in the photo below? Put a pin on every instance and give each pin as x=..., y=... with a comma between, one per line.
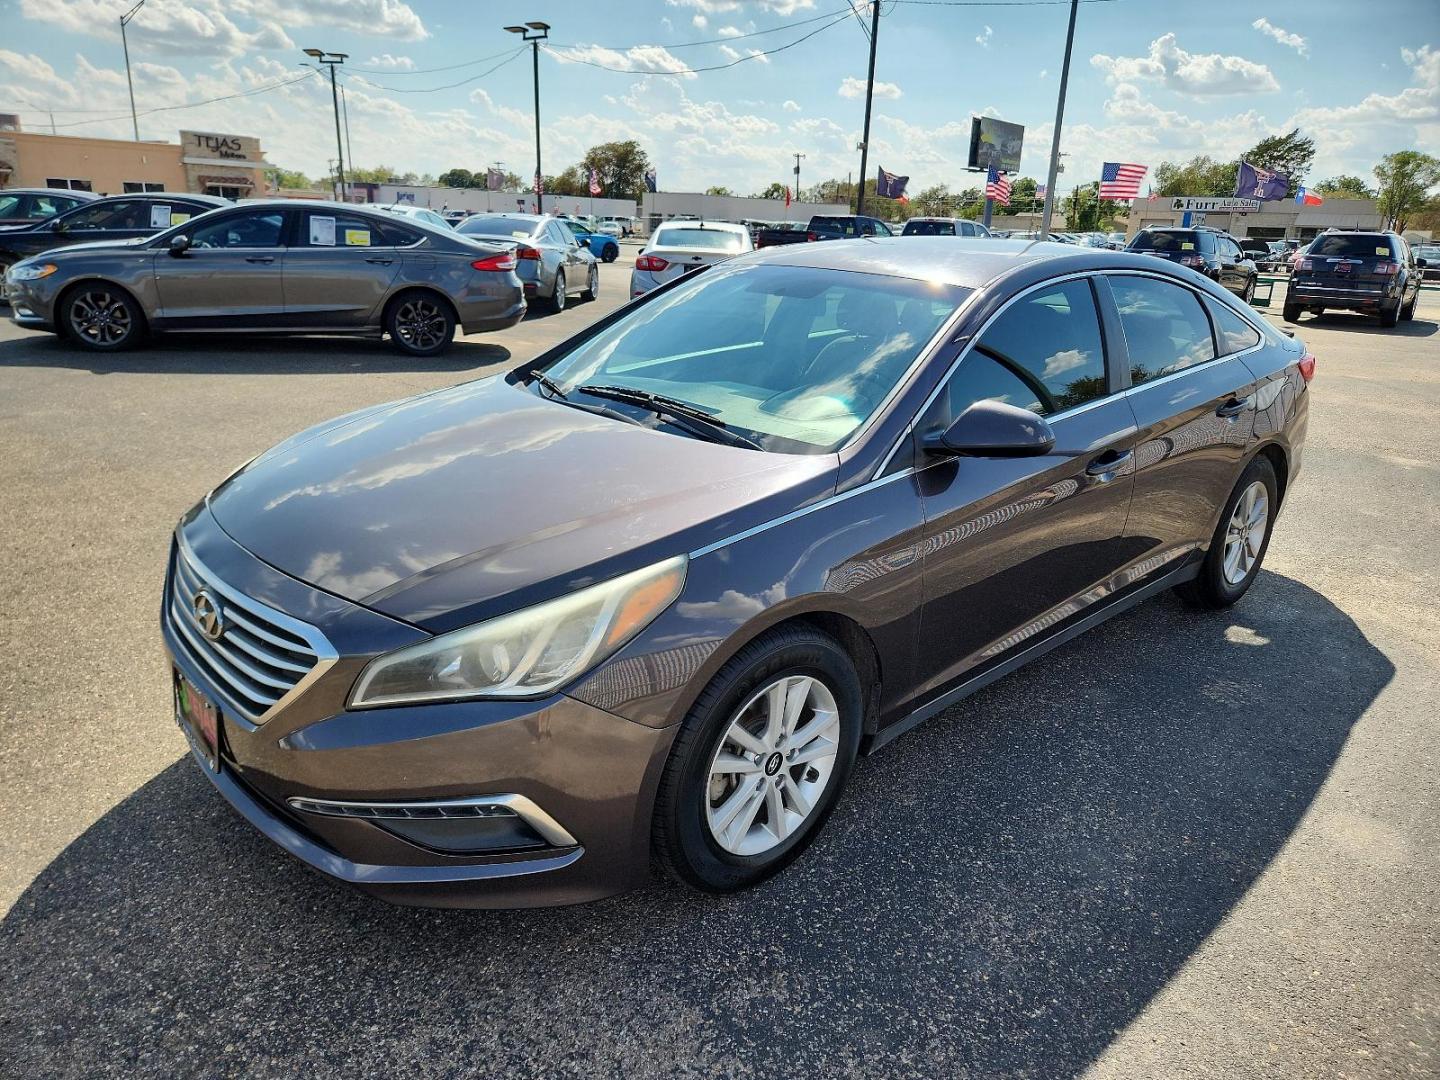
x=1059, y=119
x=797, y=176
x=869, y=95
x=345, y=108
x=534, y=33
x=332, y=59
x=130, y=82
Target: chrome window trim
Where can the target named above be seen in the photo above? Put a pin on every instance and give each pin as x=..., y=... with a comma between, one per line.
x=324, y=651
x=525, y=809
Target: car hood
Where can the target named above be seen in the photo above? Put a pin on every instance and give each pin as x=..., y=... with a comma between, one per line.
x=464, y=503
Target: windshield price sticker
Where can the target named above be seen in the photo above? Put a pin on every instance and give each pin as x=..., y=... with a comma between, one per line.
x=357, y=237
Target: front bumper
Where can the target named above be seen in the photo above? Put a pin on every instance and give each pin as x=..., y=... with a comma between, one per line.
x=587, y=772
x=32, y=304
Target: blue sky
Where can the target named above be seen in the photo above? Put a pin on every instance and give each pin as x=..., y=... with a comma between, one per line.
x=1151, y=80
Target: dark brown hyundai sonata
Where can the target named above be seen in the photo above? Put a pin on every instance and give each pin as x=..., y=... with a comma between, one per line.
x=645, y=599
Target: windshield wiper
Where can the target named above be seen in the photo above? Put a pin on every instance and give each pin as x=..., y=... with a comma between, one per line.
x=548, y=383
x=690, y=417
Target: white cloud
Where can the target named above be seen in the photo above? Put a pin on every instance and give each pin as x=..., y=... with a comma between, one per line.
x=786, y=7
x=377, y=18
x=734, y=55
x=700, y=22
x=983, y=39
x=791, y=106
x=730, y=31
x=1284, y=37
x=851, y=87
x=1195, y=74
x=709, y=7
x=387, y=62
x=654, y=59
x=198, y=28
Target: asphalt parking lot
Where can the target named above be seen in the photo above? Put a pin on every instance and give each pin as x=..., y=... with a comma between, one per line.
x=1183, y=845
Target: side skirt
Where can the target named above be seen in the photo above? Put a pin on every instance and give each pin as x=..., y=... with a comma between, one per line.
x=1094, y=618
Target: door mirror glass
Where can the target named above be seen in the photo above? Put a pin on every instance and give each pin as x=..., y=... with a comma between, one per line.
x=1421, y=263
x=179, y=244
x=995, y=429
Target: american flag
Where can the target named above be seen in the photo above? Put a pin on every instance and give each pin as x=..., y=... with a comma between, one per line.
x=997, y=186
x=595, y=188
x=1039, y=191
x=1121, y=181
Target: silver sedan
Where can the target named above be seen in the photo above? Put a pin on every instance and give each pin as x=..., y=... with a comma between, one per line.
x=552, y=264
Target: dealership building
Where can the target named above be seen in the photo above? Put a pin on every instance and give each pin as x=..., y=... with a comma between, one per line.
x=1277, y=220
x=203, y=162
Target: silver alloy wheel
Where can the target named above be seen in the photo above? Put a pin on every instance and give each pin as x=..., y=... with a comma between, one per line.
x=420, y=323
x=772, y=765
x=100, y=317
x=594, y=280
x=4, y=288
x=559, y=298
x=1246, y=532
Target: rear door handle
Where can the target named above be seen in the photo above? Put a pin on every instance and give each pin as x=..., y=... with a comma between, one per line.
x=379, y=259
x=1233, y=407
x=1109, y=462
x=260, y=258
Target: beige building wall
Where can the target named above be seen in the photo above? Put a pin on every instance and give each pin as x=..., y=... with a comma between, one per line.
x=203, y=161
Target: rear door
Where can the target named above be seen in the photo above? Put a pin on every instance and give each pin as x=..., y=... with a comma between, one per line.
x=1195, y=405
x=339, y=269
x=232, y=275
x=1016, y=546
x=577, y=267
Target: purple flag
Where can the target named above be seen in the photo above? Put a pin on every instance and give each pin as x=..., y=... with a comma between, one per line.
x=1263, y=184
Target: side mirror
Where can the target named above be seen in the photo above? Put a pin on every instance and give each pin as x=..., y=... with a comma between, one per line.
x=1421, y=263
x=179, y=244
x=994, y=429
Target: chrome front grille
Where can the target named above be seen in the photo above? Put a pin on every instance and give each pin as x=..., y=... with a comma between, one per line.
x=260, y=656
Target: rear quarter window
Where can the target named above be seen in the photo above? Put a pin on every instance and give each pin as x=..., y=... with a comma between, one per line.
x=1232, y=333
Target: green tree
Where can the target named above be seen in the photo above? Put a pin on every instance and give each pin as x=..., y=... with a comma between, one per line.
x=279, y=178
x=774, y=191
x=456, y=178
x=1022, y=194
x=1406, y=178
x=572, y=182
x=718, y=190
x=933, y=202
x=1199, y=176
x=380, y=174
x=1290, y=154
x=620, y=167
x=1345, y=187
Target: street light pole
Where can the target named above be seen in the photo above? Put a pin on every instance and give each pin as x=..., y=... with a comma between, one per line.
x=1059, y=118
x=534, y=33
x=130, y=82
x=331, y=59
x=869, y=94
x=798, y=158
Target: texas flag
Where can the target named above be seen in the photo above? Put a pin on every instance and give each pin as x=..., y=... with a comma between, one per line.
x=1306, y=197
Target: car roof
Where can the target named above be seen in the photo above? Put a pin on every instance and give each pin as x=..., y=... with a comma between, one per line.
x=700, y=223
x=970, y=263
x=83, y=196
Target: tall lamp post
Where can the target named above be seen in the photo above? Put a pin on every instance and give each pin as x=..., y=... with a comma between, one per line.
x=535, y=32
x=125, y=44
x=798, y=158
x=320, y=56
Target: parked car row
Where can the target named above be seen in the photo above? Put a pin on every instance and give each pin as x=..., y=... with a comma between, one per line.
x=111, y=271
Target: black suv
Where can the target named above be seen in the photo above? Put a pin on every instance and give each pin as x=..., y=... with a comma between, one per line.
x=1211, y=252
x=1372, y=272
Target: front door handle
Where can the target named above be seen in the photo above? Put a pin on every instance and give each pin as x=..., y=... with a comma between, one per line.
x=1109, y=462
x=260, y=258
x=379, y=259
x=1233, y=407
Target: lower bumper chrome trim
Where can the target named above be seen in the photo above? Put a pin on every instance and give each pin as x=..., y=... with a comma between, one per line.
x=517, y=806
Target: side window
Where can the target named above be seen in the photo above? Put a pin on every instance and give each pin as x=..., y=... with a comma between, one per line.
x=1233, y=332
x=342, y=231
x=1165, y=329
x=254, y=230
x=1044, y=353
x=559, y=234
x=396, y=235
x=116, y=215
x=881, y=229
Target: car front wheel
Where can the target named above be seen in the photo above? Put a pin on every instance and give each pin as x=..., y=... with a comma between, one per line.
x=101, y=317
x=611, y=253
x=592, y=287
x=1240, y=541
x=760, y=761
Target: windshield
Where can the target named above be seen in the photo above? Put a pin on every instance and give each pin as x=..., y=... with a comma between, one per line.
x=710, y=239
x=794, y=358
x=929, y=228
x=509, y=227
x=1352, y=246
x=1169, y=241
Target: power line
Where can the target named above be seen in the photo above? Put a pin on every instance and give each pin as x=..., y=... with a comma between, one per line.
x=192, y=104
x=999, y=3
x=429, y=71
x=696, y=71
x=512, y=55
x=723, y=40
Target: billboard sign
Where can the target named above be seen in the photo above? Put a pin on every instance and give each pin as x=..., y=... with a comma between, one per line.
x=995, y=142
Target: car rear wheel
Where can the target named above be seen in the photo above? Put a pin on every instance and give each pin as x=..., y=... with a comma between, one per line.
x=1407, y=312
x=759, y=762
x=1249, y=294
x=592, y=288
x=101, y=317
x=557, y=298
x=1240, y=541
x=1292, y=312
x=1390, y=316
x=420, y=324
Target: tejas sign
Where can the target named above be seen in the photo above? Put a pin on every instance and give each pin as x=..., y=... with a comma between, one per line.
x=1216, y=205
x=221, y=146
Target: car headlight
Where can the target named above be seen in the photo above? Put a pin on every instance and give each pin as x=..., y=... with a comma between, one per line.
x=32, y=273
x=525, y=653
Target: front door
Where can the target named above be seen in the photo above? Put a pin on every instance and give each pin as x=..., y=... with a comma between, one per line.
x=232, y=275
x=1015, y=546
x=339, y=270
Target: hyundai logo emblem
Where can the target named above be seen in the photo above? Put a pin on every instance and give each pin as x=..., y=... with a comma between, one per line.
x=208, y=615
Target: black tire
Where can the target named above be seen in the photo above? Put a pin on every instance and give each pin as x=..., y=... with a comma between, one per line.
x=684, y=846
x=1292, y=312
x=592, y=288
x=1390, y=316
x=610, y=254
x=6, y=261
x=1249, y=294
x=100, y=317
x=1408, y=311
x=556, y=301
x=1211, y=589
x=420, y=323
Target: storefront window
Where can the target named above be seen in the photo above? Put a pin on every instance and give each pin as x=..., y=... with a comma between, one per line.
x=135, y=187
x=69, y=184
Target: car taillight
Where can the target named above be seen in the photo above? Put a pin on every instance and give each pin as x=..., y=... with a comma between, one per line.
x=811, y=237
x=1192, y=260
x=650, y=262
x=1385, y=269
x=1304, y=264
x=504, y=261
x=1307, y=366
x=526, y=253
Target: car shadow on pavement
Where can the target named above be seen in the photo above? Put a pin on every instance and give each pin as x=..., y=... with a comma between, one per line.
x=207, y=354
x=1417, y=327
x=1000, y=893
